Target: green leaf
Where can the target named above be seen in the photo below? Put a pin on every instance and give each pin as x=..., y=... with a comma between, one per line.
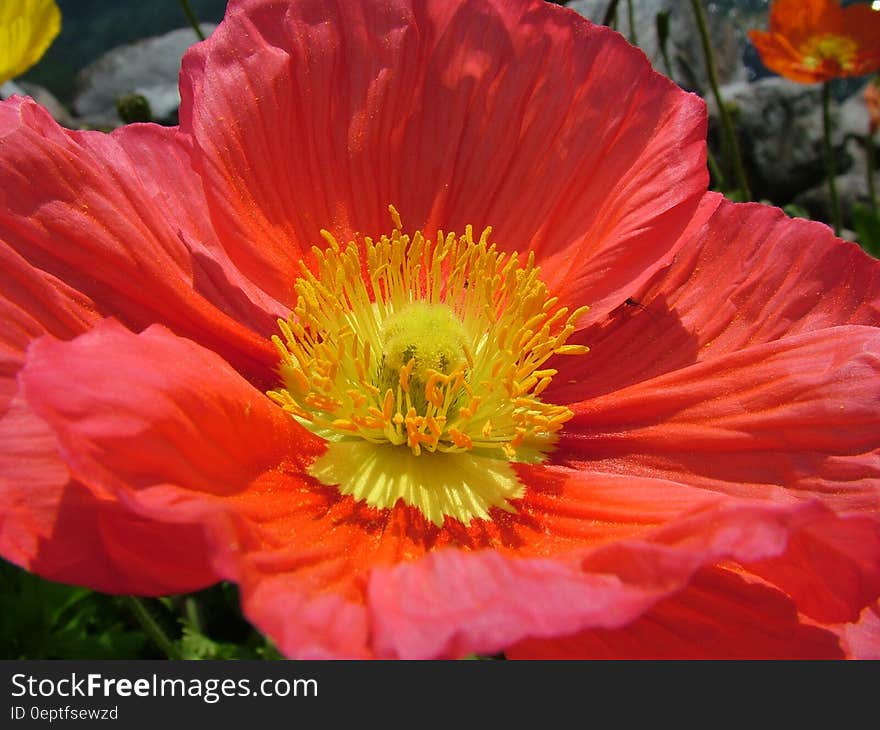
x=867, y=225
x=40, y=619
x=795, y=211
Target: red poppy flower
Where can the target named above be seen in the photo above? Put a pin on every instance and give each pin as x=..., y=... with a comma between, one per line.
x=439, y=467
x=818, y=40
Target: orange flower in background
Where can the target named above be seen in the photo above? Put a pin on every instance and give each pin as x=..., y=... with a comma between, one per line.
x=811, y=41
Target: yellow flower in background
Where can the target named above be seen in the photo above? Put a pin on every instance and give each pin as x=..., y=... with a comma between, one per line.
x=27, y=29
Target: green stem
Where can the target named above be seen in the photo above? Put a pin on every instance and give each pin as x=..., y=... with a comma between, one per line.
x=661, y=21
x=728, y=131
x=191, y=17
x=631, y=16
x=715, y=169
x=193, y=615
x=830, y=162
x=666, y=64
x=610, y=13
x=151, y=627
x=871, y=165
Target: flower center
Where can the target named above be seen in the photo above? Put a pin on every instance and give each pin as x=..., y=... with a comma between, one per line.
x=421, y=343
x=422, y=363
x=838, y=50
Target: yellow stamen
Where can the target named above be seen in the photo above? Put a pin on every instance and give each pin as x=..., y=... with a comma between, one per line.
x=841, y=50
x=425, y=346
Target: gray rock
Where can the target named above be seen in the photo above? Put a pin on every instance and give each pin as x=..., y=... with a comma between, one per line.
x=852, y=187
x=47, y=99
x=42, y=96
x=727, y=29
x=780, y=130
x=10, y=88
x=149, y=67
x=854, y=116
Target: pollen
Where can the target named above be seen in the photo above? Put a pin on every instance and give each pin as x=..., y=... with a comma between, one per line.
x=419, y=358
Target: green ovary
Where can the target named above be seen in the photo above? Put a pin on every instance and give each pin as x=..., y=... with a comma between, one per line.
x=430, y=335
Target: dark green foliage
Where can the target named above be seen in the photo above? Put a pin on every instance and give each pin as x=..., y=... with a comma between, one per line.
x=40, y=619
x=43, y=620
x=795, y=211
x=866, y=222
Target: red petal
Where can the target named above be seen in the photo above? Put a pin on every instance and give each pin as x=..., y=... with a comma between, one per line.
x=306, y=624
x=832, y=569
x=719, y=615
x=464, y=113
x=750, y=276
x=32, y=480
x=162, y=158
x=788, y=419
x=454, y=602
x=76, y=206
x=150, y=413
x=753, y=275
x=799, y=24
x=155, y=409
x=305, y=541
x=65, y=532
x=33, y=303
x=49, y=524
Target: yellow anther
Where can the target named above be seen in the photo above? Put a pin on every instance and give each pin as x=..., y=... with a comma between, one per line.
x=572, y=350
x=542, y=386
x=462, y=440
x=321, y=403
x=388, y=405
x=404, y=374
x=395, y=218
x=431, y=344
x=343, y=424
x=358, y=398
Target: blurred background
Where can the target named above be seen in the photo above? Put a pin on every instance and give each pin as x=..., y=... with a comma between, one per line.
x=119, y=61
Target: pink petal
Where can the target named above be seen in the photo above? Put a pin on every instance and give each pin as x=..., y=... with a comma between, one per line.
x=32, y=481
x=833, y=568
x=464, y=113
x=35, y=492
x=63, y=531
x=155, y=409
x=862, y=638
x=308, y=549
x=719, y=615
x=753, y=276
x=789, y=419
x=306, y=624
x=162, y=158
x=152, y=412
x=33, y=303
x=453, y=602
x=76, y=206
x=750, y=276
